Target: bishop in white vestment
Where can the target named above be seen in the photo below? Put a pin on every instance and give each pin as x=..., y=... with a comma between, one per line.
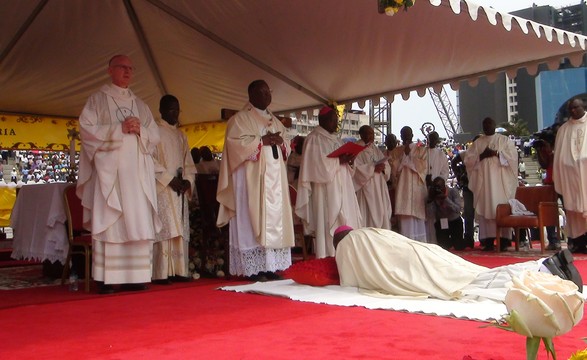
x=253, y=190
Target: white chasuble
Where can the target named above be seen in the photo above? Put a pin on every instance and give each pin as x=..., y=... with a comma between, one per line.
x=254, y=196
x=117, y=184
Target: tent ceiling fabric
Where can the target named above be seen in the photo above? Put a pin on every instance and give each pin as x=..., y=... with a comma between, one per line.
x=53, y=53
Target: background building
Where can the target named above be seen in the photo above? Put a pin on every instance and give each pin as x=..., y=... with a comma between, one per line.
x=535, y=99
x=351, y=121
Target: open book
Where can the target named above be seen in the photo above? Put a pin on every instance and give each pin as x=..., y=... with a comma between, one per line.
x=348, y=148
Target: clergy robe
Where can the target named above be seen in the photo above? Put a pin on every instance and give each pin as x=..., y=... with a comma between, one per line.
x=254, y=196
x=116, y=183
x=170, y=252
x=326, y=197
x=570, y=175
x=410, y=193
x=493, y=180
x=371, y=187
x=437, y=163
x=384, y=263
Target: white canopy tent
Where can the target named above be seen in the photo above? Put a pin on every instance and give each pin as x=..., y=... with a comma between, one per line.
x=53, y=53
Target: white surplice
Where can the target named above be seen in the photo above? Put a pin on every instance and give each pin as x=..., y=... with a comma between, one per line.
x=570, y=173
x=493, y=180
x=371, y=187
x=410, y=194
x=117, y=185
x=326, y=197
x=173, y=157
x=254, y=196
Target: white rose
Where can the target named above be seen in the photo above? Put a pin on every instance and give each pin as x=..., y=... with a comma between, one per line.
x=195, y=276
x=543, y=305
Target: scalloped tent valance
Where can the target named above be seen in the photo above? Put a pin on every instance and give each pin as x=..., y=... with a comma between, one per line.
x=53, y=53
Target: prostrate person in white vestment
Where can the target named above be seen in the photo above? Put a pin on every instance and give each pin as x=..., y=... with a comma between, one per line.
x=175, y=174
x=408, y=167
x=570, y=173
x=116, y=181
x=492, y=168
x=326, y=197
x=253, y=191
x=372, y=171
x=383, y=263
x=437, y=166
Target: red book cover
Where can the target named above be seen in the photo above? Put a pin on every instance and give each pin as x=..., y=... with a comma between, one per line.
x=348, y=148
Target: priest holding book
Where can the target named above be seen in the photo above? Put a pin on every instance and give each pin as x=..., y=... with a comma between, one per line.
x=326, y=197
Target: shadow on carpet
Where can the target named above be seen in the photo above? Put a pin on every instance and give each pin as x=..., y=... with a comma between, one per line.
x=23, y=277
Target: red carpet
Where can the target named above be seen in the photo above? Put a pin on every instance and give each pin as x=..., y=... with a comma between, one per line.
x=189, y=321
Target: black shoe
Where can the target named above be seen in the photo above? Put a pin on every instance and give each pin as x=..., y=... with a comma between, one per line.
x=260, y=277
x=161, y=281
x=105, y=289
x=504, y=244
x=272, y=276
x=178, y=278
x=561, y=264
x=554, y=246
x=133, y=287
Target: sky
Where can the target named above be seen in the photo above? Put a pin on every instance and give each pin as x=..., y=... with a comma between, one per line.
x=416, y=111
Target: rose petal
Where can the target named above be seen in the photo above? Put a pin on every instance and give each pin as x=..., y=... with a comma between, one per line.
x=536, y=315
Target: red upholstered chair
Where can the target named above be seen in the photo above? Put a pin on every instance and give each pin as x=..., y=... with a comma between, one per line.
x=298, y=228
x=542, y=201
x=80, y=240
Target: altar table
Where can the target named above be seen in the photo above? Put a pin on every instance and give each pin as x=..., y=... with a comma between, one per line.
x=38, y=223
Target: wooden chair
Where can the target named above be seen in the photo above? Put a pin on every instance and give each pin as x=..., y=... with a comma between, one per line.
x=298, y=228
x=80, y=240
x=542, y=201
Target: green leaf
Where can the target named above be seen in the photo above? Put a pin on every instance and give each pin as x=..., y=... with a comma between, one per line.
x=532, y=345
x=549, y=345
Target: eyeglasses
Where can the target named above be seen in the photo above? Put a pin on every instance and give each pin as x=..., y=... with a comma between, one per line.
x=125, y=67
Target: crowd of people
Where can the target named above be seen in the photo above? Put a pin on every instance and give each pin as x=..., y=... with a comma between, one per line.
x=32, y=166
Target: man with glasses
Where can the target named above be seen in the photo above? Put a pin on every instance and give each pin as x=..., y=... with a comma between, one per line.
x=117, y=183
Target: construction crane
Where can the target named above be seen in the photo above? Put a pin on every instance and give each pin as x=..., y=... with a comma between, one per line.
x=446, y=112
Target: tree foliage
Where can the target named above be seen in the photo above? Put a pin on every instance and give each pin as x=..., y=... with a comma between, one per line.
x=516, y=127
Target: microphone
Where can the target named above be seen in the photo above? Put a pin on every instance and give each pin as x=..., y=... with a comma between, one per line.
x=180, y=177
x=275, y=153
